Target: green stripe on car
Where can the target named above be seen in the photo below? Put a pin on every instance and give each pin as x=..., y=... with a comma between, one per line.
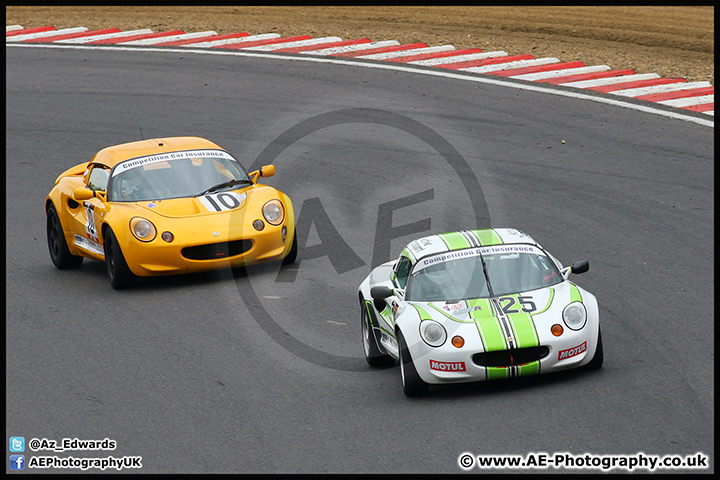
x=532, y=368
x=575, y=294
x=488, y=325
x=454, y=240
x=409, y=254
x=523, y=329
x=423, y=314
x=496, y=373
x=487, y=237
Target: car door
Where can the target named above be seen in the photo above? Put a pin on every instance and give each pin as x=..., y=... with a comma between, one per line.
x=90, y=213
x=401, y=270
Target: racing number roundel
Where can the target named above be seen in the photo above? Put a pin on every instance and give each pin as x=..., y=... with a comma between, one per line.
x=222, y=201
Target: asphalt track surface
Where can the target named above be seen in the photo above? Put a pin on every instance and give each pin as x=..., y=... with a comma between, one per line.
x=262, y=371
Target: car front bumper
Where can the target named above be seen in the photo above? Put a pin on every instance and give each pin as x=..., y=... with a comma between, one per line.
x=448, y=364
x=207, y=247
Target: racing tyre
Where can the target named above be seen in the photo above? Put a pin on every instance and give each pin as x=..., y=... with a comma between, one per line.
x=118, y=271
x=292, y=254
x=373, y=355
x=598, y=358
x=59, y=252
x=413, y=385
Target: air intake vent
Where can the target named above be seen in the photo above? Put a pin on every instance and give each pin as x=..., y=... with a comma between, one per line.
x=217, y=250
x=506, y=358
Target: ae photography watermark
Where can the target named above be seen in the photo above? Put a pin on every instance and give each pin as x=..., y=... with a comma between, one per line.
x=351, y=215
x=33, y=455
x=638, y=462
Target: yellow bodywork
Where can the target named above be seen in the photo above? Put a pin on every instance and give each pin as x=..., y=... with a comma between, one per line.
x=189, y=221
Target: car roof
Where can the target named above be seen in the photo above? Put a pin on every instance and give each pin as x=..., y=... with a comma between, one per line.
x=110, y=156
x=462, y=239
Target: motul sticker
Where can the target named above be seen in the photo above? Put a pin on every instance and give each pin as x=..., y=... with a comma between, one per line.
x=447, y=366
x=571, y=352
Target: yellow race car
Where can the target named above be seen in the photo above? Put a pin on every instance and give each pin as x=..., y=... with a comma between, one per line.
x=167, y=206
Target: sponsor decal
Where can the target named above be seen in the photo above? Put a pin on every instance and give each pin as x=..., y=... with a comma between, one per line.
x=419, y=245
x=90, y=229
x=457, y=310
x=453, y=306
x=447, y=366
x=426, y=262
x=89, y=245
x=571, y=352
x=389, y=342
x=510, y=249
x=164, y=157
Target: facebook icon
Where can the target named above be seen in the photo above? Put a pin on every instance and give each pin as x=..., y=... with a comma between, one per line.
x=17, y=462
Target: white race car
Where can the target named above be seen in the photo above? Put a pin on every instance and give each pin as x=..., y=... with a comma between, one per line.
x=477, y=305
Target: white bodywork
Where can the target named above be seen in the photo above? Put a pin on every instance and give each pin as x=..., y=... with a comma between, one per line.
x=513, y=325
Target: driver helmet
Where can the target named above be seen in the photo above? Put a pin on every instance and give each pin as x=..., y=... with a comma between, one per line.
x=132, y=182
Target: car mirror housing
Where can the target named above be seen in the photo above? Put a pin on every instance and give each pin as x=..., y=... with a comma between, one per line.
x=581, y=266
x=83, y=193
x=267, y=171
x=380, y=293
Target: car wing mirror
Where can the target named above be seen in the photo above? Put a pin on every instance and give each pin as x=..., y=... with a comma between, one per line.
x=581, y=266
x=577, y=268
x=265, y=171
x=83, y=193
x=380, y=293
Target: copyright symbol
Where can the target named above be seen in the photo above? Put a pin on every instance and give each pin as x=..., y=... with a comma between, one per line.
x=34, y=444
x=466, y=461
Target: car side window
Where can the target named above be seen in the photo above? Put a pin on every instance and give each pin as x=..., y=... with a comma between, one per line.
x=401, y=271
x=98, y=179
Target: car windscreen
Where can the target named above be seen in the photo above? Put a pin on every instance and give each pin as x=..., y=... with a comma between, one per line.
x=173, y=175
x=460, y=275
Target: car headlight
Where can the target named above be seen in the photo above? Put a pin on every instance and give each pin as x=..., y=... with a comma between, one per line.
x=432, y=333
x=143, y=229
x=575, y=316
x=273, y=212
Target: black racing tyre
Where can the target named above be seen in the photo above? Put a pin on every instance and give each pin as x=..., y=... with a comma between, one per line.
x=373, y=355
x=597, y=360
x=292, y=254
x=413, y=385
x=59, y=252
x=118, y=271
